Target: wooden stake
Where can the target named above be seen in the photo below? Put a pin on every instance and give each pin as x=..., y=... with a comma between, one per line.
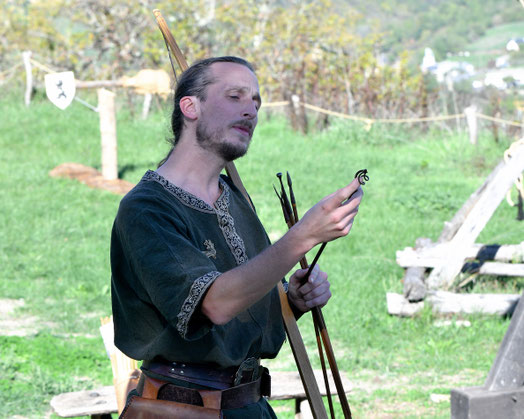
x=471, y=119
x=106, y=111
x=26, y=56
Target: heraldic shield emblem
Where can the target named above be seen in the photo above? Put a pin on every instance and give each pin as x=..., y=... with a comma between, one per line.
x=60, y=88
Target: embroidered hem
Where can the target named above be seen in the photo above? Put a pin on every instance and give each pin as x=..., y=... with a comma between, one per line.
x=196, y=292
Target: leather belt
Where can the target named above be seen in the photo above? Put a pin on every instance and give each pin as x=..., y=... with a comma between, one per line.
x=203, y=375
x=232, y=398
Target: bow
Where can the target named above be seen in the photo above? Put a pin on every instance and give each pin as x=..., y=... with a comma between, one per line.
x=295, y=338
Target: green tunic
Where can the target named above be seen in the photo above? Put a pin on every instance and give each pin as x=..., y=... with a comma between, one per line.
x=167, y=248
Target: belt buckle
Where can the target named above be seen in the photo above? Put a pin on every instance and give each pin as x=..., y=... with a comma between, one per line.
x=248, y=365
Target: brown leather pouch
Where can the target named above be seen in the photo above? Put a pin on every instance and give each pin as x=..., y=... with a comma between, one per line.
x=141, y=408
x=148, y=407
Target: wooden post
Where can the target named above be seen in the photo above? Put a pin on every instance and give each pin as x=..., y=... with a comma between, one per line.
x=106, y=110
x=292, y=110
x=300, y=113
x=502, y=395
x=147, y=105
x=449, y=82
x=26, y=56
x=471, y=119
x=302, y=116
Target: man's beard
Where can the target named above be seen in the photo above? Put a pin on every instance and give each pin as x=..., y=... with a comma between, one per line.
x=215, y=141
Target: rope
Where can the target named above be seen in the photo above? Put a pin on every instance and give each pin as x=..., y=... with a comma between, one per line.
x=10, y=69
x=275, y=104
x=370, y=121
x=341, y=115
x=42, y=66
x=502, y=121
x=424, y=119
x=367, y=121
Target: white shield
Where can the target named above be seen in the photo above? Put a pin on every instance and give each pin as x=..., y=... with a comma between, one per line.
x=60, y=88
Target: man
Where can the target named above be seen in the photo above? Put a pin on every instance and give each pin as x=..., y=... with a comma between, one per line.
x=193, y=273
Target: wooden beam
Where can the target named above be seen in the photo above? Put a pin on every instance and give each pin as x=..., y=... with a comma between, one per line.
x=444, y=274
x=400, y=306
x=98, y=84
x=444, y=302
x=431, y=256
x=501, y=269
x=451, y=227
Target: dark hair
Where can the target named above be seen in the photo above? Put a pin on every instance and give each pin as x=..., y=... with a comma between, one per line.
x=194, y=82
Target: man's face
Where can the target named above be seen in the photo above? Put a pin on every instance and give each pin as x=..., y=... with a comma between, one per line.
x=229, y=114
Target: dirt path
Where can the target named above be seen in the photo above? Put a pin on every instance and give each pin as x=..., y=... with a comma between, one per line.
x=13, y=323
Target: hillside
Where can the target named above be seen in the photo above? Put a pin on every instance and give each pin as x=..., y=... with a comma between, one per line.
x=441, y=25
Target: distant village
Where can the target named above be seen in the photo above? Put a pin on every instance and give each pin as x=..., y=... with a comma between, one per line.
x=501, y=74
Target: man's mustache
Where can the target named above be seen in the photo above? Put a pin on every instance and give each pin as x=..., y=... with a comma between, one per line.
x=245, y=124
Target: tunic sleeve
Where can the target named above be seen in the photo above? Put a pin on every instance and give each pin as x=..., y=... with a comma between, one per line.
x=167, y=270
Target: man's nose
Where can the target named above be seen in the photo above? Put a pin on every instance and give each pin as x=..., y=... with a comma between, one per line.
x=250, y=111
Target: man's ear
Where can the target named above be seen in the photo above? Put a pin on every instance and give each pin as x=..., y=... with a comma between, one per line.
x=189, y=106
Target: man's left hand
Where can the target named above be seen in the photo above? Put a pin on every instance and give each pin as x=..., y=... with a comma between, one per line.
x=315, y=291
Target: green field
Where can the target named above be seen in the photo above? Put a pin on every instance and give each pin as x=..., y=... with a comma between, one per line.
x=54, y=249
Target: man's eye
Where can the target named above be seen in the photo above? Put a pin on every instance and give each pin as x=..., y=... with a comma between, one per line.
x=234, y=97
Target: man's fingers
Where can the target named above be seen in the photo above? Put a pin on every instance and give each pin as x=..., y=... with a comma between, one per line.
x=314, y=274
x=345, y=192
x=316, y=284
x=318, y=296
x=339, y=196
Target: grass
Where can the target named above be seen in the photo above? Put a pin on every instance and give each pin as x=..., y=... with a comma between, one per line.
x=54, y=249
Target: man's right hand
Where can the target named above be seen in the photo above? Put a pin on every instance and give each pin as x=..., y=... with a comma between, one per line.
x=332, y=217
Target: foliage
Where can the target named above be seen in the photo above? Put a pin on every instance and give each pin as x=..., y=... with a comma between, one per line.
x=442, y=25
x=54, y=250
x=302, y=48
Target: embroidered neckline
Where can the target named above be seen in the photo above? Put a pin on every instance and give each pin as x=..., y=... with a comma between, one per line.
x=221, y=210
x=188, y=198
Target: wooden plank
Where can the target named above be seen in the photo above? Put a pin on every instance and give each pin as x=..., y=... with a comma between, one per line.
x=445, y=302
x=98, y=401
x=432, y=256
x=444, y=274
x=98, y=84
x=501, y=269
x=287, y=385
x=400, y=306
x=451, y=227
